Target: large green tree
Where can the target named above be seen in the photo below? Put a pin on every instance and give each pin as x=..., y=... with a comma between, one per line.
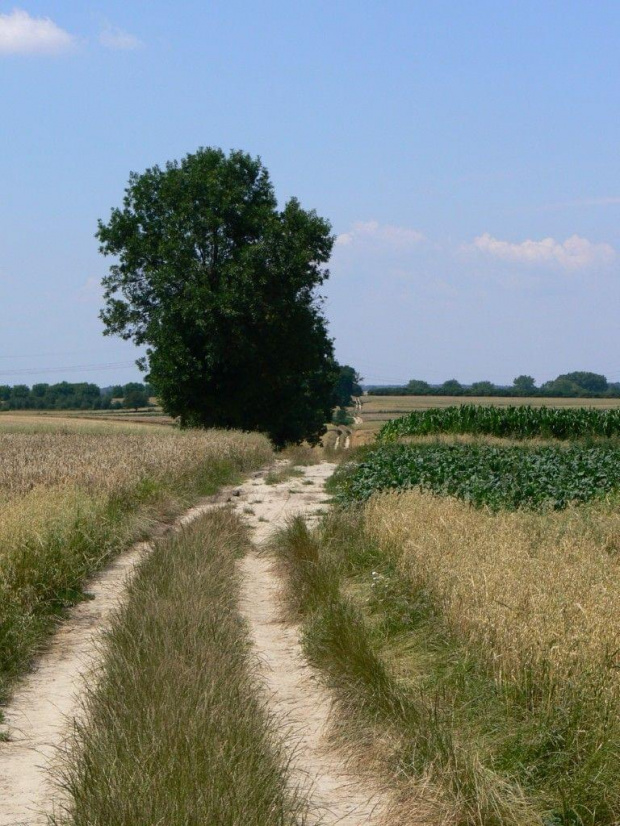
x=220, y=285
x=590, y=382
x=418, y=387
x=452, y=387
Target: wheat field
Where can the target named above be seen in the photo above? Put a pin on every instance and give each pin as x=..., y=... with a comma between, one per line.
x=73, y=493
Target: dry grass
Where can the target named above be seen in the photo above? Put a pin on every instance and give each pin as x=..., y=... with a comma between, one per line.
x=357, y=629
x=100, y=458
x=539, y=593
x=472, y=655
x=532, y=601
x=302, y=454
x=176, y=729
x=74, y=493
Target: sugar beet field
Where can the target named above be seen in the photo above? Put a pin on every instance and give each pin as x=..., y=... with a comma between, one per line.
x=457, y=607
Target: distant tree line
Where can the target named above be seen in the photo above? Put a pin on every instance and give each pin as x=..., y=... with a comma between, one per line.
x=131, y=396
x=580, y=384
x=80, y=396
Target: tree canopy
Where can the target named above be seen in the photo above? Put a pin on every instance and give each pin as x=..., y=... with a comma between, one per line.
x=134, y=399
x=60, y=396
x=220, y=285
x=418, y=387
x=347, y=385
x=584, y=380
x=482, y=388
x=524, y=384
x=452, y=387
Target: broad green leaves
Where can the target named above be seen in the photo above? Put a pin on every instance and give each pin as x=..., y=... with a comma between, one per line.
x=496, y=477
x=220, y=285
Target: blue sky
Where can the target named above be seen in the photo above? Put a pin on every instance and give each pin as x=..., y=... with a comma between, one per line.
x=465, y=153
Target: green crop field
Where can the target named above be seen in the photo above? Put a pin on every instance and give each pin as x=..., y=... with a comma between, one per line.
x=523, y=422
x=377, y=410
x=485, y=475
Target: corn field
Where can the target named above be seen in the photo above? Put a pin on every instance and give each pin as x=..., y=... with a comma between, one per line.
x=518, y=422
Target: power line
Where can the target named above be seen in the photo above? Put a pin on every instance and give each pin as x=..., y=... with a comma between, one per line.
x=32, y=371
x=5, y=357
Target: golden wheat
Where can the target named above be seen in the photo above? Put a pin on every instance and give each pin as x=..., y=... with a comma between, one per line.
x=100, y=458
x=538, y=593
x=74, y=493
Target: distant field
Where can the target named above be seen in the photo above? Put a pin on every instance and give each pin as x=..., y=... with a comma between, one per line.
x=398, y=405
x=376, y=410
x=146, y=416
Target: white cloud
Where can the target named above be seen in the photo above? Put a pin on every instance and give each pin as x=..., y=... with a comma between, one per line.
x=113, y=38
x=385, y=233
x=22, y=34
x=573, y=254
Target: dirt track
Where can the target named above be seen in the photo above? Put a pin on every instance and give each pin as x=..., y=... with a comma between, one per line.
x=298, y=700
x=40, y=715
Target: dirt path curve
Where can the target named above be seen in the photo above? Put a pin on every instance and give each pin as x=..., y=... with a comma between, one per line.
x=36, y=719
x=39, y=717
x=297, y=698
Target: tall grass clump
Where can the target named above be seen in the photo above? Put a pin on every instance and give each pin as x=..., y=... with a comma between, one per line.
x=517, y=422
x=72, y=496
x=175, y=729
x=363, y=630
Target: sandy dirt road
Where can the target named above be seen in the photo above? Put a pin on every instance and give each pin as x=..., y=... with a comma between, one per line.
x=297, y=698
x=39, y=718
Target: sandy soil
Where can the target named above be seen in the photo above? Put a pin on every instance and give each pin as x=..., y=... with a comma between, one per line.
x=40, y=715
x=297, y=698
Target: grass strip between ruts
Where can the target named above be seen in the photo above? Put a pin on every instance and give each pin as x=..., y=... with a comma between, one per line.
x=176, y=730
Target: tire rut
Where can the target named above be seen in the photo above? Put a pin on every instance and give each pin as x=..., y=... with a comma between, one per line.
x=298, y=701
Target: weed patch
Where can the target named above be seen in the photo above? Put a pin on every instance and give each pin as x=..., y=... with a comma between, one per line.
x=276, y=477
